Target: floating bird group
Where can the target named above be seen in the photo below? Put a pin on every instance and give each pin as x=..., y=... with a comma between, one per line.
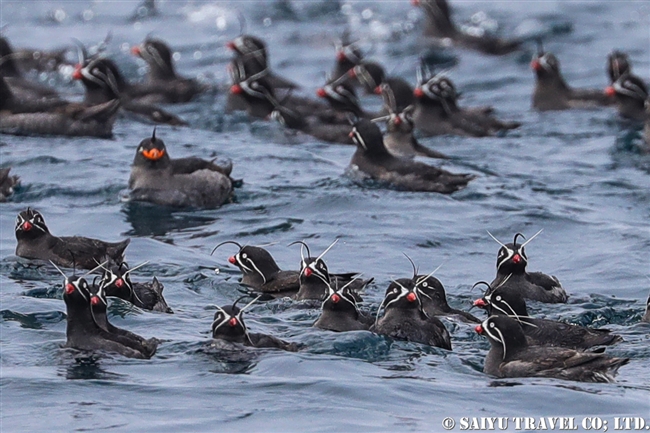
x=411, y=308
x=520, y=345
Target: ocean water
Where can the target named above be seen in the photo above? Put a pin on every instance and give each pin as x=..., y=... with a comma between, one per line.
x=579, y=175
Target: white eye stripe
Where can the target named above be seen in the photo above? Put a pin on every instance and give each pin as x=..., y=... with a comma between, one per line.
x=238, y=259
x=225, y=320
x=19, y=220
x=427, y=90
x=100, y=294
x=252, y=263
x=278, y=117
x=77, y=288
x=345, y=295
x=364, y=76
x=151, y=53
x=348, y=52
x=321, y=274
x=548, y=61
x=94, y=74
x=629, y=88
x=336, y=94
x=239, y=43
x=404, y=291
x=488, y=327
x=356, y=137
x=249, y=86
x=432, y=7
x=109, y=278
x=509, y=254
x=498, y=307
x=86, y=72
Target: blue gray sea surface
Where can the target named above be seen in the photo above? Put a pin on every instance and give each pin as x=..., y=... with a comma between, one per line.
x=579, y=175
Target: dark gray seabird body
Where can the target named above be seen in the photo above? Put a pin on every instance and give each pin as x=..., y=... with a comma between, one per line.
x=437, y=111
x=618, y=63
x=252, y=52
x=163, y=84
x=553, y=93
x=630, y=93
x=184, y=182
x=316, y=282
x=348, y=55
x=434, y=299
x=98, y=305
x=84, y=333
x=36, y=242
x=543, y=331
x=54, y=117
x=511, y=356
x=13, y=102
x=146, y=295
x=404, y=318
x=312, y=125
x=261, y=273
x=512, y=275
x=399, y=103
x=98, y=90
x=250, y=71
x=7, y=183
x=228, y=325
x=372, y=159
x=340, y=313
x=11, y=72
x=438, y=24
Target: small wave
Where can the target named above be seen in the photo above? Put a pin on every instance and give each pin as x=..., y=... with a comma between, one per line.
x=33, y=320
x=285, y=226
